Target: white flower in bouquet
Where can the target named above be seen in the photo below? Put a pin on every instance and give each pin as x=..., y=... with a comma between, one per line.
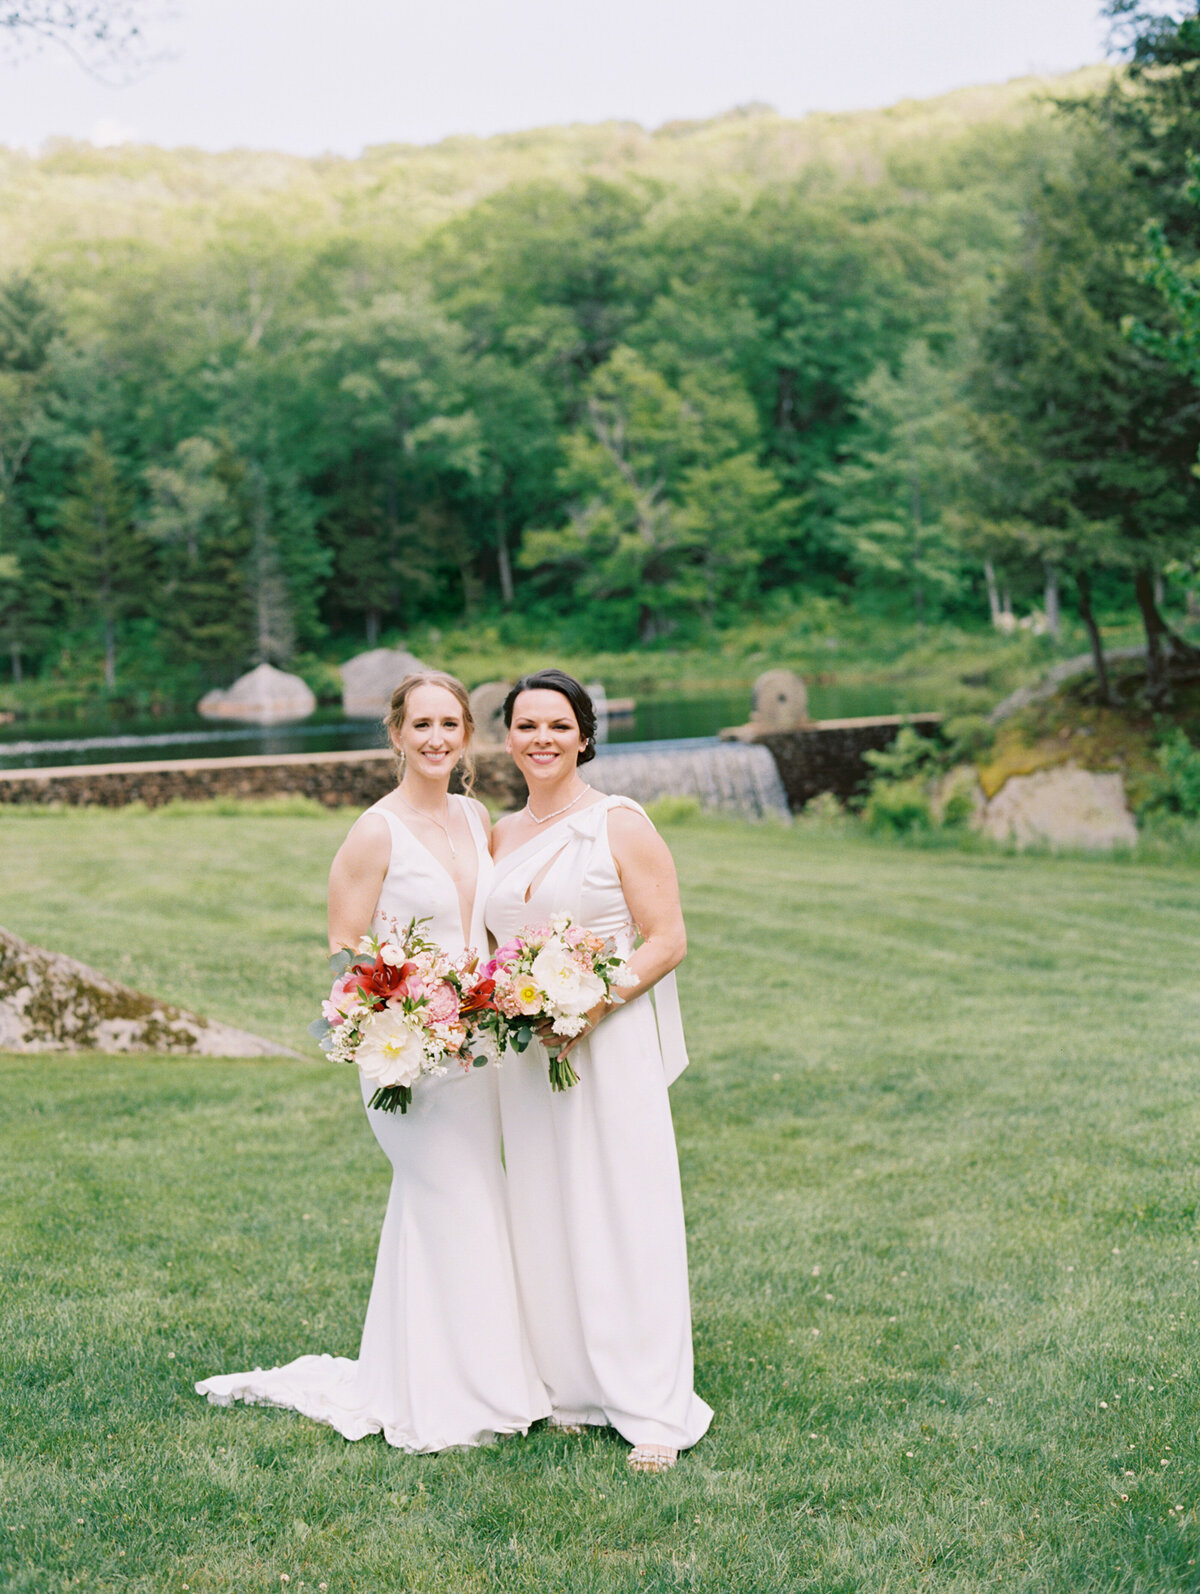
x=566, y=1027
x=570, y=988
x=392, y=1049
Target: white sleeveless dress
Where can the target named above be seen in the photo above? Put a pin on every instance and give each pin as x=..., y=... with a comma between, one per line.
x=592, y=1172
x=444, y=1359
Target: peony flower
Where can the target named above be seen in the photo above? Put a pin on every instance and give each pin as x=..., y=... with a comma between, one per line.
x=443, y=1003
x=343, y=999
x=502, y=955
x=391, y=1051
x=572, y=989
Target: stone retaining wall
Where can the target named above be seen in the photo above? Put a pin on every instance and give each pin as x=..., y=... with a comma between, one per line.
x=354, y=780
x=825, y=756
x=828, y=755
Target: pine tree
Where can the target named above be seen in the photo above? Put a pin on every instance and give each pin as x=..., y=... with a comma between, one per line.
x=98, y=561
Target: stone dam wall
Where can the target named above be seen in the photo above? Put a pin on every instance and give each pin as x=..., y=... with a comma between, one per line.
x=824, y=756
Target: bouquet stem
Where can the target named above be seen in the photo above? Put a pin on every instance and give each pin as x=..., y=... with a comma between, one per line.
x=562, y=1075
x=389, y=1098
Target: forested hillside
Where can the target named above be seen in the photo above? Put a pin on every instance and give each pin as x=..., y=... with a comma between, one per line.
x=626, y=384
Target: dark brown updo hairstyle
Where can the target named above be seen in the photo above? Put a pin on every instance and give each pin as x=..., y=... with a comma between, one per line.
x=393, y=720
x=575, y=694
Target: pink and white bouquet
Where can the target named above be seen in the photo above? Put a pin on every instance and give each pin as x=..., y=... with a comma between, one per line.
x=554, y=974
x=395, y=1011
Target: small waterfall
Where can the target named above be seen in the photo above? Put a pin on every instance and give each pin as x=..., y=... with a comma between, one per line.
x=735, y=777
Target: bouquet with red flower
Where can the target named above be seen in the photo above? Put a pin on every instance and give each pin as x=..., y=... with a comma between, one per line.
x=396, y=1011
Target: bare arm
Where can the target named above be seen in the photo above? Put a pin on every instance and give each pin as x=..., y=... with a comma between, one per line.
x=651, y=889
x=355, y=880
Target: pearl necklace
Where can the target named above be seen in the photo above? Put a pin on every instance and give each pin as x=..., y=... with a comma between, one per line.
x=421, y=814
x=546, y=818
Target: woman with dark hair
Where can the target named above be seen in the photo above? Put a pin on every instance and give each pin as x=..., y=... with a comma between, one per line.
x=592, y=1172
x=444, y=1360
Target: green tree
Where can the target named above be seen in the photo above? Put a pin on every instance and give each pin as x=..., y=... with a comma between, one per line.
x=397, y=445
x=1098, y=434
x=549, y=276
x=898, y=493
x=99, y=560
x=670, y=511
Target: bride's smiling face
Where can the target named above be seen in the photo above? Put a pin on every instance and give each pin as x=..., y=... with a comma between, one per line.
x=432, y=735
x=544, y=737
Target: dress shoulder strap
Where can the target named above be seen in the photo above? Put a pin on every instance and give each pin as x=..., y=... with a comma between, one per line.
x=474, y=823
x=614, y=801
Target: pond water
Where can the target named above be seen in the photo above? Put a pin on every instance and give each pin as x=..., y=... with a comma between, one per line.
x=655, y=719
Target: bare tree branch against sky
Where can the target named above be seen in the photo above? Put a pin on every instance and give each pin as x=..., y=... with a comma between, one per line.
x=309, y=77
x=108, y=38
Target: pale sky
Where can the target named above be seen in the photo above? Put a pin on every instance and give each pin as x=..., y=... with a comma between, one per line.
x=309, y=77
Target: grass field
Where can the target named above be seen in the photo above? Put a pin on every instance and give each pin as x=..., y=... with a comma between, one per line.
x=939, y=1143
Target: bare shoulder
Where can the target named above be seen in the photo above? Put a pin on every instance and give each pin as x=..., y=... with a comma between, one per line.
x=503, y=825
x=368, y=842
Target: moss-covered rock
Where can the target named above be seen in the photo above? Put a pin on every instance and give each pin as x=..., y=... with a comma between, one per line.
x=51, y=1003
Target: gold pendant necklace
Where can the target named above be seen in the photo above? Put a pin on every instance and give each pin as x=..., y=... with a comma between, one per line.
x=421, y=814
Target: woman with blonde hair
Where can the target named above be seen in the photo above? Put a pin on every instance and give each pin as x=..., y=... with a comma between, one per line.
x=443, y=1360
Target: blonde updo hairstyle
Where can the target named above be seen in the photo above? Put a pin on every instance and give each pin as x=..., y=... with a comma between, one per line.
x=393, y=720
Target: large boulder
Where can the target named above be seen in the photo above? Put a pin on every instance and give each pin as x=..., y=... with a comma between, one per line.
x=487, y=710
x=1061, y=807
x=50, y=1003
x=369, y=679
x=265, y=696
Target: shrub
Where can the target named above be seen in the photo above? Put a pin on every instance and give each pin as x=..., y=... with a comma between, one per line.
x=824, y=809
x=967, y=737
x=1175, y=789
x=909, y=755
x=673, y=810
x=897, y=807
x=958, y=808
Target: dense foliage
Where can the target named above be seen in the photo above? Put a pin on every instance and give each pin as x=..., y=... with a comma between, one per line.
x=620, y=385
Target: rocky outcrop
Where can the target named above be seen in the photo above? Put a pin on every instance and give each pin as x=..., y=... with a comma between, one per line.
x=369, y=679
x=266, y=696
x=51, y=1003
x=1062, y=807
x=1066, y=670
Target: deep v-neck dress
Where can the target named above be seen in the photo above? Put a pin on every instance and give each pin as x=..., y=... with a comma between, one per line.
x=592, y=1173
x=444, y=1359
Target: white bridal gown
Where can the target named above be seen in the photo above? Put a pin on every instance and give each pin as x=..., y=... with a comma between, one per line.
x=444, y=1359
x=593, y=1177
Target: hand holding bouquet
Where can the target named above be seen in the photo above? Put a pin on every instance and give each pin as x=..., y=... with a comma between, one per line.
x=395, y=1012
x=551, y=976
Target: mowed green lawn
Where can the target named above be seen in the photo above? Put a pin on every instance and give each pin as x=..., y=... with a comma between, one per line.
x=939, y=1143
